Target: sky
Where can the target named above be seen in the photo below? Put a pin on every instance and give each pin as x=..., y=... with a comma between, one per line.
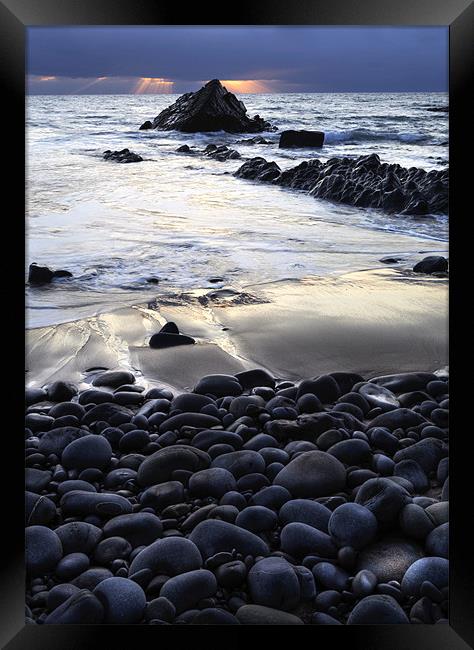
x=138, y=60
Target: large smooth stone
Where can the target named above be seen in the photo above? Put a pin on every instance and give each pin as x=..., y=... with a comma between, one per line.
x=257, y=519
x=205, y=439
x=138, y=528
x=160, y=466
x=240, y=463
x=214, y=536
x=89, y=451
x=273, y=496
x=351, y=452
x=379, y=397
x=79, y=537
x=81, y=607
x=411, y=471
x=123, y=600
x=214, y=482
x=214, y=616
x=170, y=556
x=187, y=589
x=219, y=386
x=377, y=610
x=330, y=576
x=79, y=503
x=352, y=525
x=190, y=403
x=312, y=474
x=43, y=550
x=306, y=512
x=109, y=412
x=299, y=540
x=324, y=387
x=437, y=542
x=114, y=378
x=273, y=582
x=90, y=578
x=38, y=509
x=415, y=522
x=432, y=569
x=404, y=382
x=389, y=558
x=36, y=480
x=196, y=420
x=383, y=498
x=261, y=615
x=427, y=453
x=61, y=391
x=398, y=419
x=56, y=440
x=249, y=379
x=165, y=494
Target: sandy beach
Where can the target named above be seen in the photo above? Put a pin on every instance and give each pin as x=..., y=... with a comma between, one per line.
x=370, y=322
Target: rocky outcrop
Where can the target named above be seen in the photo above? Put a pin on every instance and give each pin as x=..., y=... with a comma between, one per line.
x=432, y=264
x=290, y=139
x=257, y=139
x=212, y=108
x=169, y=337
x=122, y=156
x=44, y=275
x=216, y=152
x=364, y=182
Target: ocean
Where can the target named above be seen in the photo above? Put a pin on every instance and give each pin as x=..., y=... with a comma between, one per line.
x=186, y=221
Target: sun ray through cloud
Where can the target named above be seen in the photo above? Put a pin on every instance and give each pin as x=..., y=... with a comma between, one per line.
x=153, y=85
x=90, y=84
x=247, y=86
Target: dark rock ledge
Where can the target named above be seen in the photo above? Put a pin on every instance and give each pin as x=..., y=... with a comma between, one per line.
x=364, y=182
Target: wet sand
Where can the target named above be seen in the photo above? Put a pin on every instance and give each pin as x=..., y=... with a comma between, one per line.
x=370, y=322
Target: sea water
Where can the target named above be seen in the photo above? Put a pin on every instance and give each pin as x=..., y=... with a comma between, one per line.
x=186, y=221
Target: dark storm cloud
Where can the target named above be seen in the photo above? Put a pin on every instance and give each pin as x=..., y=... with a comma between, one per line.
x=293, y=58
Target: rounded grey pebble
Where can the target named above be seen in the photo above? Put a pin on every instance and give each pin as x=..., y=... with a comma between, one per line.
x=43, y=550
x=377, y=610
x=273, y=582
x=123, y=600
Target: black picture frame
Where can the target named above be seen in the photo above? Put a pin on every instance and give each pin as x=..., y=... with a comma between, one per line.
x=15, y=16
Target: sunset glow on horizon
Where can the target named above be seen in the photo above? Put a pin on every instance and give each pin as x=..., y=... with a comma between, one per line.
x=247, y=86
x=153, y=85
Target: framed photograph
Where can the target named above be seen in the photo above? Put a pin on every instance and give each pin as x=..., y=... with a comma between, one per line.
x=237, y=252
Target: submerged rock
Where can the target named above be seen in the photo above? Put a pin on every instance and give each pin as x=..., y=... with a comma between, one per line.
x=122, y=156
x=212, y=108
x=44, y=275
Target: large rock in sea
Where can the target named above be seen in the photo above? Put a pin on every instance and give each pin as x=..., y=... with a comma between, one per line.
x=212, y=108
x=290, y=139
